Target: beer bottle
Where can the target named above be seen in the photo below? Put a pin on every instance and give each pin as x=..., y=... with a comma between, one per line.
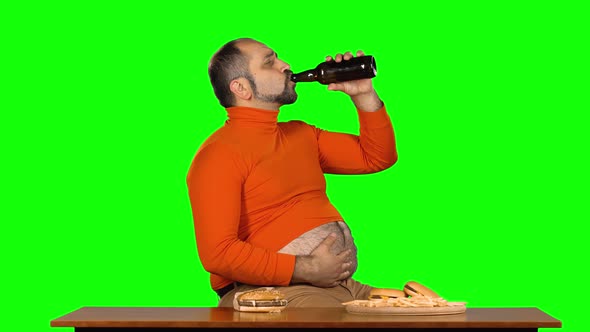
x=334, y=72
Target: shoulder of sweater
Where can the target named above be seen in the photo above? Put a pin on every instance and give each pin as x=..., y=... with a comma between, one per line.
x=219, y=143
x=296, y=123
x=292, y=123
x=214, y=154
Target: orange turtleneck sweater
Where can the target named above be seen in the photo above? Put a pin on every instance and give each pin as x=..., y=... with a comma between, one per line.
x=257, y=184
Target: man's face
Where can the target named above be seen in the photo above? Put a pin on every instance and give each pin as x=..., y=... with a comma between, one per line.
x=271, y=76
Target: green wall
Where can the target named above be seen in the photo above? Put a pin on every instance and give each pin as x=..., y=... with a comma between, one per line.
x=105, y=104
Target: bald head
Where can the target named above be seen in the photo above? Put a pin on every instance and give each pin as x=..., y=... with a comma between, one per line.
x=245, y=72
x=229, y=63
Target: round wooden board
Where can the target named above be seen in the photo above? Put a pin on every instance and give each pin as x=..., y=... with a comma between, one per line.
x=406, y=311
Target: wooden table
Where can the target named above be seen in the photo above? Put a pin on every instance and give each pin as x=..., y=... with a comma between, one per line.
x=192, y=319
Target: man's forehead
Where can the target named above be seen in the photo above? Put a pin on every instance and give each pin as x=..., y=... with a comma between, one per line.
x=254, y=49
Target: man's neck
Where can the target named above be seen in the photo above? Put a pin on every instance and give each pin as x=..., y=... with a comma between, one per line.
x=260, y=105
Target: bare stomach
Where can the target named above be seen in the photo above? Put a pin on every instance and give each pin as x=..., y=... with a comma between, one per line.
x=308, y=241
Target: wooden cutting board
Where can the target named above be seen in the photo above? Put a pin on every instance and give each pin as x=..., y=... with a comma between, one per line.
x=455, y=308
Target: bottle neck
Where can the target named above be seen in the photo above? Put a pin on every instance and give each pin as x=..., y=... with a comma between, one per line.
x=305, y=76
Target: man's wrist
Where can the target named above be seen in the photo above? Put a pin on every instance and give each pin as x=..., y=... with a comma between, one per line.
x=368, y=102
x=302, y=269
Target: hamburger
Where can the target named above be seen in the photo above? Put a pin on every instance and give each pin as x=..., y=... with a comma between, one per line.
x=265, y=299
x=385, y=293
x=413, y=288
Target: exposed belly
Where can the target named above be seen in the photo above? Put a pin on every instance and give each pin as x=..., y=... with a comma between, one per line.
x=307, y=242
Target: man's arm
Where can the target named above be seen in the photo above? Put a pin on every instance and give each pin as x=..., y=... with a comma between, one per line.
x=374, y=149
x=215, y=183
x=367, y=102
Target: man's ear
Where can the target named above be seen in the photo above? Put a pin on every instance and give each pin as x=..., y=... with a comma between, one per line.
x=241, y=88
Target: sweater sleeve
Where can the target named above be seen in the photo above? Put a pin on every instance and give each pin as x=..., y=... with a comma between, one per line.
x=215, y=187
x=372, y=151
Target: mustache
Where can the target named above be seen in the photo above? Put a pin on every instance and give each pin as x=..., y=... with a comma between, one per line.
x=288, y=73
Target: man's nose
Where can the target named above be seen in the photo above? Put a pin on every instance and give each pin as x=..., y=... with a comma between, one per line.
x=285, y=66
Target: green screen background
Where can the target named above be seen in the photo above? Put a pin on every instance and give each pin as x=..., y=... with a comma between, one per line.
x=105, y=105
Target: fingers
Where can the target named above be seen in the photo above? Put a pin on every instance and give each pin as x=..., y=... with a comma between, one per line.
x=345, y=255
x=338, y=57
x=346, y=56
x=346, y=267
x=336, y=87
x=328, y=241
x=344, y=275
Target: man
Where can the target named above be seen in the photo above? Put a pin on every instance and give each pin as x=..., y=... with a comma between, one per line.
x=257, y=186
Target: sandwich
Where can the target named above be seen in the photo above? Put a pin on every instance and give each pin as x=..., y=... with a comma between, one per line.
x=265, y=299
x=385, y=294
x=414, y=289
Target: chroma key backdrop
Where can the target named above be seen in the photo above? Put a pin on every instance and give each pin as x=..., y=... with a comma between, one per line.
x=105, y=104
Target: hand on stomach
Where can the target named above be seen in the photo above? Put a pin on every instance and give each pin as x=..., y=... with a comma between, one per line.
x=305, y=244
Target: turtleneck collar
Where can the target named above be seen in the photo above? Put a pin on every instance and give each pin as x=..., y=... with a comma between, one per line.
x=251, y=117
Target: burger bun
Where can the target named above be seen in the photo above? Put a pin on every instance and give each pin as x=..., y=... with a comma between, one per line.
x=385, y=293
x=413, y=288
x=265, y=299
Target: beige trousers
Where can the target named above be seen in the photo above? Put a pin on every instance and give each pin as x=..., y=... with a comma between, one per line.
x=310, y=296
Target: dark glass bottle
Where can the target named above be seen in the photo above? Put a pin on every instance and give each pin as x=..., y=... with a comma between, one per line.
x=333, y=72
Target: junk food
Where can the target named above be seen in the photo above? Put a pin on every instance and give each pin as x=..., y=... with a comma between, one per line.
x=385, y=293
x=412, y=288
x=414, y=295
x=265, y=299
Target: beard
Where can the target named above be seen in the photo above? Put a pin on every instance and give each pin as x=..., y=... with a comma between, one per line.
x=288, y=96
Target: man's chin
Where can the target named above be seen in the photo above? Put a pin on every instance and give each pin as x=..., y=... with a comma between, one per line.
x=288, y=98
x=282, y=99
x=291, y=100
